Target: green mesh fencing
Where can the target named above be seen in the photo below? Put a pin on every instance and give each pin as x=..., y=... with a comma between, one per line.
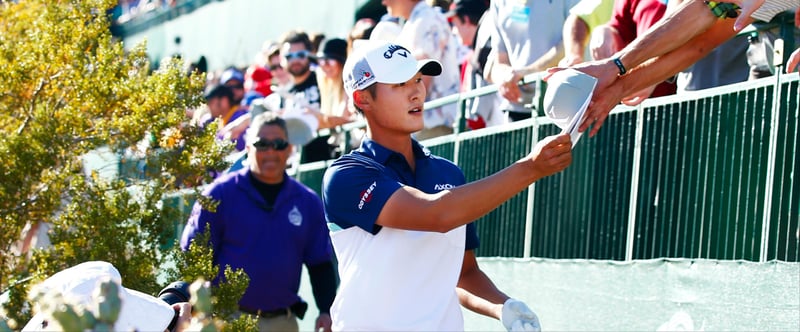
x=583, y=211
x=702, y=165
x=784, y=230
x=502, y=231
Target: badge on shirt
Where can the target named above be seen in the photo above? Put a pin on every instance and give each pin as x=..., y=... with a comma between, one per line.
x=295, y=217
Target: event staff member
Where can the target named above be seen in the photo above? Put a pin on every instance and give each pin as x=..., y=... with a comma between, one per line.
x=269, y=224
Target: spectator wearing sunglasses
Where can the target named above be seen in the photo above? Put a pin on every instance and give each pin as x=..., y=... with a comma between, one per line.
x=280, y=78
x=303, y=95
x=270, y=225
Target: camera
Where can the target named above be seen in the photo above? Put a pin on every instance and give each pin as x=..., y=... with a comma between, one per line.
x=176, y=292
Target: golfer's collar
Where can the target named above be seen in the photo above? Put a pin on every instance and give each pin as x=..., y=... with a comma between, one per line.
x=382, y=154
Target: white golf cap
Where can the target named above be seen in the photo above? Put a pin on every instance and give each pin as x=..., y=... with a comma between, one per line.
x=383, y=62
x=568, y=94
x=139, y=311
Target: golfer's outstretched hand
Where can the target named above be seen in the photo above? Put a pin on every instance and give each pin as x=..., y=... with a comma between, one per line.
x=551, y=155
x=518, y=317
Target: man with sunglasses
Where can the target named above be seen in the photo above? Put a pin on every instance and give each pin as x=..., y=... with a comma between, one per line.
x=402, y=217
x=304, y=95
x=270, y=225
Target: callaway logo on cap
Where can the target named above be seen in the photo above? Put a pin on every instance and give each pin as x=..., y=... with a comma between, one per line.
x=382, y=62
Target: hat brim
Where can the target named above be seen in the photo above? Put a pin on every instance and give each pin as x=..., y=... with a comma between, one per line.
x=428, y=67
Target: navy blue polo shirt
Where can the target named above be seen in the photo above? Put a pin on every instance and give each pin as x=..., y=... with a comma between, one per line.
x=271, y=243
x=357, y=185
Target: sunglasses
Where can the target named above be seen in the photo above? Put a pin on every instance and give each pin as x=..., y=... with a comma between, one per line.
x=297, y=55
x=263, y=144
x=275, y=67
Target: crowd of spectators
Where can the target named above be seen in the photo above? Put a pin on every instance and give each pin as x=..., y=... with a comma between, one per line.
x=478, y=42
x=128, y=10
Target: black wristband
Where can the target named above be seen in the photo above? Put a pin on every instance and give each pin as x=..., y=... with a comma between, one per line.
x=621, y=67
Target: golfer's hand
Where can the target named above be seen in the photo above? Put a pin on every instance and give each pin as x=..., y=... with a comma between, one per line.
x=518, y=317
x=551, y=155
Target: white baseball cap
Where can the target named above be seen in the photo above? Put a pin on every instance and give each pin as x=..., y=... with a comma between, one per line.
x=139, y=311
x=566, y=99
x=383, y=62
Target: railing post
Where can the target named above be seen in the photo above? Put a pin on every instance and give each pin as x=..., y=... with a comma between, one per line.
x=459, y=127
x=531, y=192
x=635, y=168
x=771, y=156
x=537, y=79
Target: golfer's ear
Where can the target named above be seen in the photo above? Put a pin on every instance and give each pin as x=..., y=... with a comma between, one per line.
x=362, y=99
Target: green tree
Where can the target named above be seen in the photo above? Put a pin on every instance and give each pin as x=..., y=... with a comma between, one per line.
x=68, y=88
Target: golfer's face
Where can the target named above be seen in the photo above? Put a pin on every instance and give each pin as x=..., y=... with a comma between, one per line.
x=399, y=106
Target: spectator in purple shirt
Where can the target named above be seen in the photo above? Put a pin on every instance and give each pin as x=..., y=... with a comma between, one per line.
x=269, y=225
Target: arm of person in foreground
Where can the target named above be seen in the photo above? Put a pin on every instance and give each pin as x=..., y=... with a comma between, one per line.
x=448, y=209
x=479, y=294
x=651, y=72
x=690, y=19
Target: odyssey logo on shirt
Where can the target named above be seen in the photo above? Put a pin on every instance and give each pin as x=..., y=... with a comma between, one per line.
x=444, y=186
x=366, y=195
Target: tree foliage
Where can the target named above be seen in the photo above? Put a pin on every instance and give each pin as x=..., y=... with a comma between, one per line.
x=69, y=88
